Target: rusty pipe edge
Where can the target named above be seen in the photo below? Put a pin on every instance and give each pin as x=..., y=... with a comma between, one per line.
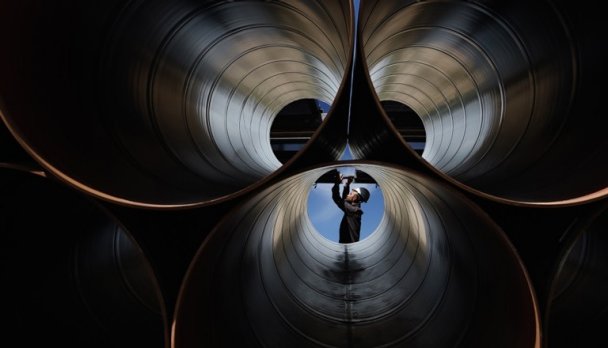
x=505, y=91
x=72, y=275
x=266, y=277
x=169, y=103
x=577, y=314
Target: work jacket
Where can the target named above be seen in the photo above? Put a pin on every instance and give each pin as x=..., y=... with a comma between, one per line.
x=350, y=226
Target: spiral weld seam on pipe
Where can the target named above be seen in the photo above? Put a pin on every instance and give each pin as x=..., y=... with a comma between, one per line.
x=295, y=247
x=266, y=277
x=166, y=118
x=463, y=67
x=72, y=274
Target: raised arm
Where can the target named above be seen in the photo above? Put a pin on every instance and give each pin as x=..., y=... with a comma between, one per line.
x=335, y=192
x=335, y=196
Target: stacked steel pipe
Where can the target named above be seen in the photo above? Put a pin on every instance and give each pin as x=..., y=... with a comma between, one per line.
x=142, y=204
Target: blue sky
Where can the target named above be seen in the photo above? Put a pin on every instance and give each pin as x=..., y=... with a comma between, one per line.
x=326, y=216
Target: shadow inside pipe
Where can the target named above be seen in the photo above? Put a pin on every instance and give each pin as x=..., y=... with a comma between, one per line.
x=71, y=275
x=10, y=150
x=265, y=277
x=506, y=92
x=409, y=124
x=168, y=102
x=578, y=309
x=294, y=125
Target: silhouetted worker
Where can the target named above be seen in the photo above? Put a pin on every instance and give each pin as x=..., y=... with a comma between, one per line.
x=350, y=204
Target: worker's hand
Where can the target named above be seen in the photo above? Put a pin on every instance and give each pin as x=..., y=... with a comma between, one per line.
x=340, y=178
x=349, y=179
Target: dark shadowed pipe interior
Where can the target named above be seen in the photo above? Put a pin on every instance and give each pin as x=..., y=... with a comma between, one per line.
x=437, y=272
x=169, y=103
x=10, y=151
x=71, y=275
x=578, y=309
x=505, y=90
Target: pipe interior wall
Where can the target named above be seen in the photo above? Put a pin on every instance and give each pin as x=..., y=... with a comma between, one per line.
x=503, y=91
x=578, y=308
x=168, y=102
x=10, y=151
x=266, y=277
x=71, y=275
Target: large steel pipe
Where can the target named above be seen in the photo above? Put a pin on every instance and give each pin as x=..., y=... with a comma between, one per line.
x=437, y=272
x=165, y=103
x=577, y=313
x=506, y=91
x=71, y=275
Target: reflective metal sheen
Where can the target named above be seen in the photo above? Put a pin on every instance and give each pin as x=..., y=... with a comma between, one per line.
x=169, y=103
x=437, y=272
x=505, y=91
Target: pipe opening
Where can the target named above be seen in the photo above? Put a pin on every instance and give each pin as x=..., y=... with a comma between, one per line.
x=265, y=277
x=326, y=214
x=294, y=125
x=72, y=276
x=503, y=91
x=408, y=123
x=169, y=103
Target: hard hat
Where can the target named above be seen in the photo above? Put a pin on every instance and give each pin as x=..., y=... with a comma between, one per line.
x=363, y=193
